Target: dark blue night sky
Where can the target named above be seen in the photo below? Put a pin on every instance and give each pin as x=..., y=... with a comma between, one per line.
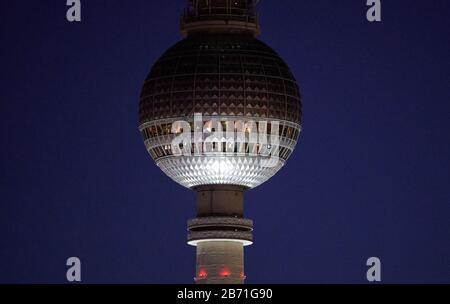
x=370, y=175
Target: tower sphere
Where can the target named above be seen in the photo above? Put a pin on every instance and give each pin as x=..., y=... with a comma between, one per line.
x=227, y=75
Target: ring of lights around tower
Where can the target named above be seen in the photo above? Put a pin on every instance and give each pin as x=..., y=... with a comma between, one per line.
x=244, y=243
x=210, y=229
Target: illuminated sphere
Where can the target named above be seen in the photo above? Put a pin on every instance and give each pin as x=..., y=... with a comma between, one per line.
x=223, y=76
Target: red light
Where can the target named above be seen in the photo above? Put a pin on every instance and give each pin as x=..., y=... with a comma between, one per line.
x=225, y=272
x=202, y=274
x=243, y=276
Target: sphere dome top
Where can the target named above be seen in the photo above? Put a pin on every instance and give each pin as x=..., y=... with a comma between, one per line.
x=220, y=74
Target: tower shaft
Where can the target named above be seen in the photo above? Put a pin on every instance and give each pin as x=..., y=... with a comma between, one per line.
x=220, y=262
x=220, y=233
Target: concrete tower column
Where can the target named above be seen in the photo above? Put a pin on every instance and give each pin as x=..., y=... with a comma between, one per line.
x=220, y=233
x=220, y=262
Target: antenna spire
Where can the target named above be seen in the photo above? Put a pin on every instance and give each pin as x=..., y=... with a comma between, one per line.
x=220, y=16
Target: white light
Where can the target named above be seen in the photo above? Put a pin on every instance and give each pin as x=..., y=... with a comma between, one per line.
x=216, y=166
x=243, y=242
x=192, y=171
x=208, y=163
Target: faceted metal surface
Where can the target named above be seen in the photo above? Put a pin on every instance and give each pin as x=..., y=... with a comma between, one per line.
x=192, y=171
x=220, y=74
